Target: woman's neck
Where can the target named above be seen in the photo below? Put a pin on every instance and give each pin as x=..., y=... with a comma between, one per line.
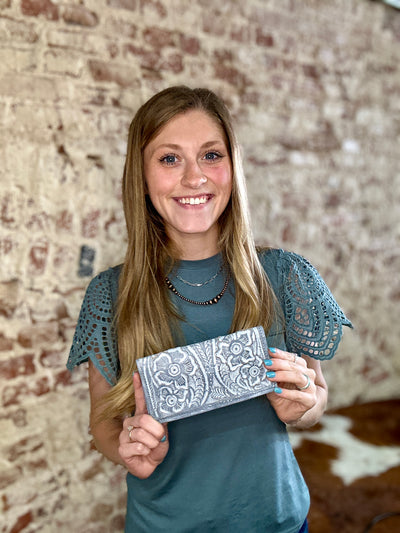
x=196, y=247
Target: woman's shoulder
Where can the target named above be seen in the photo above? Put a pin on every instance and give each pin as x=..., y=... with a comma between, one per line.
x=278, y=262
x=105, y=281
x=95, y=335
x=313, y=318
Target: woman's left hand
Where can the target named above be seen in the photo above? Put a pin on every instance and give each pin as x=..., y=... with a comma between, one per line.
x=300, y=387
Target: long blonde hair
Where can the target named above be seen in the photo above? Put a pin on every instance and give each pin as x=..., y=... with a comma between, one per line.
x=145, y=315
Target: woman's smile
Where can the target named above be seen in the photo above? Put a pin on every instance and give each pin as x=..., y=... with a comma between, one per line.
x=191, y=201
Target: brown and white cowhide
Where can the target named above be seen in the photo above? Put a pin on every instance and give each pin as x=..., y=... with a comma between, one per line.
x=351, y=463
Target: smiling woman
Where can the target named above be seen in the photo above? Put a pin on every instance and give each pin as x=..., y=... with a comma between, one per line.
x=192, y=273
x=188, y=173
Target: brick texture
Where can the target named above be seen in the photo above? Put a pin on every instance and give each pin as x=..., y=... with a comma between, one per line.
x=314, y=89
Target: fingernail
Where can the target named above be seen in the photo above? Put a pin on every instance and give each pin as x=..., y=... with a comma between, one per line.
x=272, y=350
x=278, y=390
x=268, y=362
x=271, y=374
x=163, y=439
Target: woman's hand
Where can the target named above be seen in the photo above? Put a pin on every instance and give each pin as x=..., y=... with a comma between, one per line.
x=143, y=442
x=300, y=395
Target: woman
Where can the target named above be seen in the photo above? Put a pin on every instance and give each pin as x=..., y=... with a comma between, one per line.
x=189, y=242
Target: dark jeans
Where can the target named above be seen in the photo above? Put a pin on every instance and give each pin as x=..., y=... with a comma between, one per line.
x=304, y=527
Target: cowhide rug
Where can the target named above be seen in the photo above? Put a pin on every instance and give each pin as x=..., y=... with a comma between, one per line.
x=351, y=463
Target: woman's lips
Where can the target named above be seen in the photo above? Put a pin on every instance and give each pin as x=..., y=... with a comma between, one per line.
x=193, y=200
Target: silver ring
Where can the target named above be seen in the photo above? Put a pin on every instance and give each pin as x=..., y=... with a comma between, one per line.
x=295, y=357
x=129, y=428
x=307, y=384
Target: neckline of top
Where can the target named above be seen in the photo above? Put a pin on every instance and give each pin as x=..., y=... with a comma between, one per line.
x=199, y=264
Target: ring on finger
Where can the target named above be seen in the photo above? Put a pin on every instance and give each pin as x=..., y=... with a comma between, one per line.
x=307, y=384
x=129, y=429
x=295, y=357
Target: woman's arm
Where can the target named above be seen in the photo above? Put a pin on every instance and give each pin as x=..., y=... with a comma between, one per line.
x=105, y=433
x=134, y=442
x=299, y=408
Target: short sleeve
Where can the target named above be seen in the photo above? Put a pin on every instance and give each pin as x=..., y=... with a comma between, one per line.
x=313, y=318
x=95, y=335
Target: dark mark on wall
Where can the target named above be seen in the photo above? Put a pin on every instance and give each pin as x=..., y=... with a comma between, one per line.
x=86, y=261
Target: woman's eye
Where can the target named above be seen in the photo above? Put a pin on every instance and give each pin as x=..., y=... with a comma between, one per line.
x=169, y=159
x=212, y=156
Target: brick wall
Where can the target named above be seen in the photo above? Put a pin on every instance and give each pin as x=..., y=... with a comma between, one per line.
x=314, y=87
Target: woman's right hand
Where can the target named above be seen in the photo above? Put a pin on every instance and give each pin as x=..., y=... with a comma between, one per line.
x=140, y=448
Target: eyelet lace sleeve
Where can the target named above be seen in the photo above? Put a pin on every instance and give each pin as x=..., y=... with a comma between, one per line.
x=313, y=318
x=95, y=335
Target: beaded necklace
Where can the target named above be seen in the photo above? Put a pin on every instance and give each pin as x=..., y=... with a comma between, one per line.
x=212, y=301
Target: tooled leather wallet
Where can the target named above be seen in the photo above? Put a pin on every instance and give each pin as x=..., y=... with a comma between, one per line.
x=200, y=377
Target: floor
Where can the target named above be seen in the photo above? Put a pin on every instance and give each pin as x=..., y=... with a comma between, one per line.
x=351, y=463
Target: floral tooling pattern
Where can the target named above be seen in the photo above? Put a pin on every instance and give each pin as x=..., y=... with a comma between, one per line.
x=199, y=377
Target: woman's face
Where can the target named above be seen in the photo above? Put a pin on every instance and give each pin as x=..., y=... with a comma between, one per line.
x=188, y=172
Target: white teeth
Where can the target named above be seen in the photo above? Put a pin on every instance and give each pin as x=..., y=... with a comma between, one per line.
x=193, y=201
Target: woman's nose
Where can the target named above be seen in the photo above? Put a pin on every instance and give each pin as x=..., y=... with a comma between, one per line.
x=193, y=176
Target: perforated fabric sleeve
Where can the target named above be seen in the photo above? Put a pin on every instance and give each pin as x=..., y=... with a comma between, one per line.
x=95, y=335
x=313, y=318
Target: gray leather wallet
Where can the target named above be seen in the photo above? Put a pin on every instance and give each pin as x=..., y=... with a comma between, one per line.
x=196, y=378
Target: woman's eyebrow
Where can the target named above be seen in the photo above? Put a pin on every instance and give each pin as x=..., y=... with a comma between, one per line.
x=173, y=146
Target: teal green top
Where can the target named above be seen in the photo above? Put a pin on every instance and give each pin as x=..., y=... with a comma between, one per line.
x=231, y=469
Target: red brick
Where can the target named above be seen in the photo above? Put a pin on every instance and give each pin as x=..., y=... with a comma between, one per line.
x=17, y=366
x=9, y=295
x=38, y=221
x=35, y=8
x=174, y=63
x=158, y=37
x=6, y=344
x=113, y=50
x=79, y=15
x=264, y=38
x=7, y=218
x=232, y=76
x=242, y=34
x=39, y=334
x=223, y=55
x=18, y=417
x=64, y=220
x=23, y=447
x=8, y=477
x=119, y=74
x=122, y=28
x=156, y=5
x=310, y=71
x=13, y=393
x=100, y=512
x=22, y=522
x=38, y=258
x=90, y=224
x=214, y=24
x=63, y=378
x=117, y=522
x=189, y=45
x=148, y=59
x=52, y=358
x=6, y=245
